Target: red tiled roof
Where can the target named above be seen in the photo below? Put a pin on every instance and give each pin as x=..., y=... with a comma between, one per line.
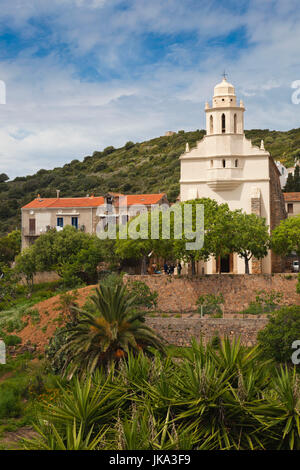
x=63, y=202
x=90, y=201
x=291, y=197
x=146, y=199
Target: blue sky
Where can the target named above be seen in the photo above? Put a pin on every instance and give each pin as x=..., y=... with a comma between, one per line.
x=85, y=74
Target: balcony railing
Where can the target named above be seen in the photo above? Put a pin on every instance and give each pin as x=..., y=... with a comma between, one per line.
x=224, y=178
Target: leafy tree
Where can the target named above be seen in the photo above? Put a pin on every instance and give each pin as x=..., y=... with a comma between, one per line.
x=10, y=246
x=74, y=255
x=26, y=264
x=129, y=145
x=3, y=177
x=251, y=237
x=277, y=337
x=141, y=248
x=286, y=237
x=289, y=185
x=9, y=279
x=297, y=178
x=293, y=181
x=220, y=235
x=180, y=246
x=68, y=306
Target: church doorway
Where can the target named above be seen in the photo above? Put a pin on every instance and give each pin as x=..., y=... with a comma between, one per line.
x=225, y=264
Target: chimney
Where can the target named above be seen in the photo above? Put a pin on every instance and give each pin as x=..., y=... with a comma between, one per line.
x=57, y=193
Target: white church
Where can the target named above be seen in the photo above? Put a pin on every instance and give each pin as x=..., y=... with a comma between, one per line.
x=225, y=166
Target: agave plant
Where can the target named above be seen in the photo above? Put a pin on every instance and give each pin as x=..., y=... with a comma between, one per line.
x=108, y=334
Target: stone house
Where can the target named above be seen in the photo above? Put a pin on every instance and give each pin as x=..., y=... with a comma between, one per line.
x=83, y=213
x=292, y=203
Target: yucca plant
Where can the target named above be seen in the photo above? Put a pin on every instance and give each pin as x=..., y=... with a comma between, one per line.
x=283, y=418
x=225, y=398
x=219, y=391
x=109, y=334
x=142, y=431
x=86, y=403
x=66, y=438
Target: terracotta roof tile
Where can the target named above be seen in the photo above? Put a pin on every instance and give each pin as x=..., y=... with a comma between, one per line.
x=92, y=201
x=145, y=199
x=291, y=197
x=64, y=202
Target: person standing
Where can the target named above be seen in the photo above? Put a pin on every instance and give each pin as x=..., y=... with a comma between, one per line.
x=179, y=268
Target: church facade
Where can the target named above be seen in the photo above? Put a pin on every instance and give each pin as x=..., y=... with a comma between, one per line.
x=225, y=166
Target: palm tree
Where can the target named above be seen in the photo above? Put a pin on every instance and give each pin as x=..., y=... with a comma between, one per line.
x=108, y=334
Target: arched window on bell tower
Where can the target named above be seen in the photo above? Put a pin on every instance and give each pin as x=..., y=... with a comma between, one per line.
x=223, y=124
x=235, y=124
x=211, y=124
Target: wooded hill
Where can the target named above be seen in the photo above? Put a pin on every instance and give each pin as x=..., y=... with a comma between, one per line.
x=147, y=167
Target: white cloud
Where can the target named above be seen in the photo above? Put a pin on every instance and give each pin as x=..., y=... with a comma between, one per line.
x=52, y=116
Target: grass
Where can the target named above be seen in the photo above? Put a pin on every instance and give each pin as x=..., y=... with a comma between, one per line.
x=24, y=383
x=12, y=318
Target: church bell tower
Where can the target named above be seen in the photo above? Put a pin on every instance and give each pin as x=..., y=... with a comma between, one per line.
x=224, y=116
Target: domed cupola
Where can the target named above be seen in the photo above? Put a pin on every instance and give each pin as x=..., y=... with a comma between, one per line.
x=224, y=89
x=224, y=116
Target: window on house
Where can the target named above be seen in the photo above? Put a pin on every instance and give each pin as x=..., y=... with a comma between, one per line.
x=290, y=208
x=236, y=163
x=32, y=226
x=60, y=222
x=211, y=125
x=74, y=222
x=235, y=124
x=211, y=163
x=223, y=124
x=224, y=163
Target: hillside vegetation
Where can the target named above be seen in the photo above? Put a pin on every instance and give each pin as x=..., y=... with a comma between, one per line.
x=147, y=167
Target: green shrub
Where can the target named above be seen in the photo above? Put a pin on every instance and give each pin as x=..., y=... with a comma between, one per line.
x=265, y=302
x=282, y=330
x=10, y=402
x=144, y=297
x=12, y=340
x=210, y=304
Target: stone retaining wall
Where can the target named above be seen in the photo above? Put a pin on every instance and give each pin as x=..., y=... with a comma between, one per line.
x=180, y=294
x=179, y=331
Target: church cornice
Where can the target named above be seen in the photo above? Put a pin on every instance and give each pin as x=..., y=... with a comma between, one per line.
x=224, y=108
x=240, y=180
x=220, y=156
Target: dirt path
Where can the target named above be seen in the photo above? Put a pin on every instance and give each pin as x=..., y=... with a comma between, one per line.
x=12, y=439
